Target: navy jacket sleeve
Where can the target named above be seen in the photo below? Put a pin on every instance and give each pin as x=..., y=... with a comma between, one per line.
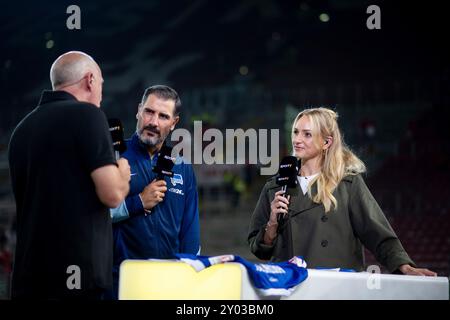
x=132, y=206
x=190, y=227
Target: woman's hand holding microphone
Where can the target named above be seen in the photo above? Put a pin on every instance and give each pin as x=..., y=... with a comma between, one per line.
x=278, y=206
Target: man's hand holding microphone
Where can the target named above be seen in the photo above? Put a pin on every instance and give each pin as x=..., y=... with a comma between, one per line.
x=154, y=192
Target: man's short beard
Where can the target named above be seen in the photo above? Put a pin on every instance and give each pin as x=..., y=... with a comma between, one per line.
x=149, y=142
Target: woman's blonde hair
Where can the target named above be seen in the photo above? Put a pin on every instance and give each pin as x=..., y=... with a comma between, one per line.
x=337, y=161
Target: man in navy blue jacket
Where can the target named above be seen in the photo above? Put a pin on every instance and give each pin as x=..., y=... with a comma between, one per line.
x=159, y=217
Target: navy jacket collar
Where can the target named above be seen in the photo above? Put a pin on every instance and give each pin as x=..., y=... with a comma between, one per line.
x=141, y=148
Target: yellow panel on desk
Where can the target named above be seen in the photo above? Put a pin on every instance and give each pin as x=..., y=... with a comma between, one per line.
x=171, y=280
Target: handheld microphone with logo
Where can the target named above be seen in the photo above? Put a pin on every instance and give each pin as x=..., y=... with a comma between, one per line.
x=287, y=177
x=116, y=130
x=165, y=163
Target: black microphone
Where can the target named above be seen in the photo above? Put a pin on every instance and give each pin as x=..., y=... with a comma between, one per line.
x=165, y=163
x=116, y=130
x=287, y=175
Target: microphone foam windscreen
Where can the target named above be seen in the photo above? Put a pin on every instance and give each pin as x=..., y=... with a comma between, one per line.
x=116, y=130
x=288, y=172
x=165, y=162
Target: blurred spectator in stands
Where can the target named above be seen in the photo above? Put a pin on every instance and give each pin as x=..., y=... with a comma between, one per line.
x=329, y=218
x=235, y=186
x=5, y=254
x=369, y=131
x=249, y=173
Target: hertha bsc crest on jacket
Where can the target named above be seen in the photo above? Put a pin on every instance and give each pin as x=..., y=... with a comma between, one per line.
x=177, y=179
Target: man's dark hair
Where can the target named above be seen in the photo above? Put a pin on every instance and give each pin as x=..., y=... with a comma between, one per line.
x=165, y=93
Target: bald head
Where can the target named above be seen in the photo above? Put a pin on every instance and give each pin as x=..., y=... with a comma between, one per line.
x=77, y=73
x=70, y=68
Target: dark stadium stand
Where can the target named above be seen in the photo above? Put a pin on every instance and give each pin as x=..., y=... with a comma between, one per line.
x=388, y=78
x=412, y=188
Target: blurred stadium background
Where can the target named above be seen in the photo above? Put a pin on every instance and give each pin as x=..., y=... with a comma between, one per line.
x=255, y=64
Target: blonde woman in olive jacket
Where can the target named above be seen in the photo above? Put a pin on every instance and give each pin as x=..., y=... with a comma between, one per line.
x=331, y=215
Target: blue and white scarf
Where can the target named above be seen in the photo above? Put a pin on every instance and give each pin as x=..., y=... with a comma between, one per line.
x=269, y=279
